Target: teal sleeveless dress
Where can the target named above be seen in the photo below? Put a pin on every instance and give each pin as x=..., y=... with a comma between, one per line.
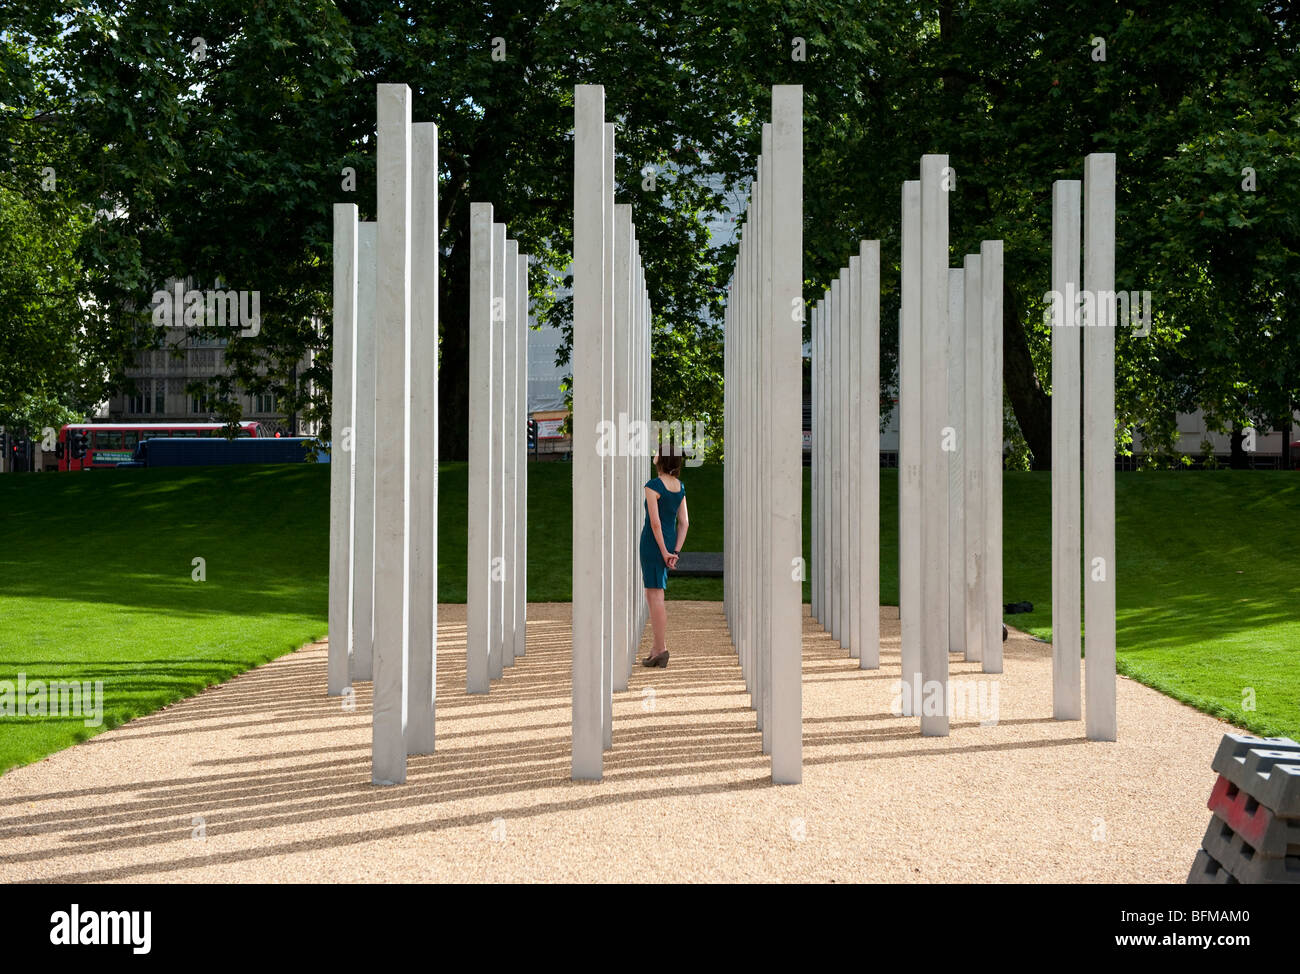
x=653, y=569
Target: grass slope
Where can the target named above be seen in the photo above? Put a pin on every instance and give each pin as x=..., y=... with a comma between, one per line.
x=95, y=578
x=96, y=584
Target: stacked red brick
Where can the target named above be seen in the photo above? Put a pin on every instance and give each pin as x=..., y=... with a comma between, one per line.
x=1254, y=835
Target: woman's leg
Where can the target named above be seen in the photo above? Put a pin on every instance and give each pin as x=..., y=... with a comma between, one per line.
x=654, y=598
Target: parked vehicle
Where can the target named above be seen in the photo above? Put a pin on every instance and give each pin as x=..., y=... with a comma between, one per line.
x=210, y=452
x=84, y=446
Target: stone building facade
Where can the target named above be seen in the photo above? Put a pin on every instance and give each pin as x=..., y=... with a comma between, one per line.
x=161, y=378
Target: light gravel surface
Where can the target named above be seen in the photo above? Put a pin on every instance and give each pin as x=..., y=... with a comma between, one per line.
x=265, y=779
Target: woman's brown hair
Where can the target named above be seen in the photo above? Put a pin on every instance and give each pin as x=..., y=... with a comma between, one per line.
x=669, y=460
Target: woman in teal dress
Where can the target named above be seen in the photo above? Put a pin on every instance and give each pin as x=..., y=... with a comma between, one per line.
x=661, y=541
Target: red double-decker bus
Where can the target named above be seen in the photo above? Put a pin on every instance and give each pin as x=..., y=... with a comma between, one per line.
x=111, y=443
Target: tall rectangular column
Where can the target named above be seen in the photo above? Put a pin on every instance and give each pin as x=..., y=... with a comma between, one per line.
x=844, y=448
x=749, y=403
x=423, y=442
x=934, y=417
x=588, y=503
x=909, y=442
x=838, y=460
x=1067, y=497
x=643, y=407
x=496, y=487
x=728, y=486
x=818, y=464
x=824, y=453
x=869, y=461
x=640, y=365
x=973, y=461
x=816, y=472
x=363, y=445
x=786, y=221
x=728, y=490
x=956, y=449
x=752, y=406
x=392, y=447
x=766, y=443
x=853, y=425
x=609, y=414
x=991, y=410
x=630, y=583
x=762, y=444
x=478, y=579
x=744, y=597
x=521, y=448
x=344, y=338
x=636, y=591
x=735, y=460
x=509, y=452
x=1099, y=445
x=622, y=471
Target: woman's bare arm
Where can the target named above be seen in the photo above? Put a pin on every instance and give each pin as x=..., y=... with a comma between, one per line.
x=652, y=506
x=683, y=522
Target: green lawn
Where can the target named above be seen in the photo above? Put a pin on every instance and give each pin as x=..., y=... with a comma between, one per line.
x=1207, y=585
x=95, y=584
x=95, y=578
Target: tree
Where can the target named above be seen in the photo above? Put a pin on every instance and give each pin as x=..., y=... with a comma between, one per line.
x=1186, y=96
x=53, y=371
x=50, y=371
x=225, y=165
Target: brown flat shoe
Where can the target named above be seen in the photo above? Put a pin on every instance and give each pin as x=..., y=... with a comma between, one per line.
x=661, y=660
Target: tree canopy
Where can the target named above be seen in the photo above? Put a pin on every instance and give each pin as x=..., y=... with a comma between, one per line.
x=212, y=138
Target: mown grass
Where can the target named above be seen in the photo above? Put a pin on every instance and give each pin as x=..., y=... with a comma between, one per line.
x=96, y=578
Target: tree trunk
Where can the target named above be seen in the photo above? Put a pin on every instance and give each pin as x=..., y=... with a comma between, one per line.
x=1237, y=454
x=1031, y=404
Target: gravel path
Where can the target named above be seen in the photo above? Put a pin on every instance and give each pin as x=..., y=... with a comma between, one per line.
x=266, y=779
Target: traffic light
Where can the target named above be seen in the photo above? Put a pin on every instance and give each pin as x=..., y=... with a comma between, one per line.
x=532, y=434
x=80, y=444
